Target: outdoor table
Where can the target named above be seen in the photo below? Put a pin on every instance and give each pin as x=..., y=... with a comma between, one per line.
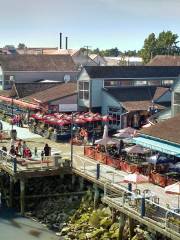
x=158, y=179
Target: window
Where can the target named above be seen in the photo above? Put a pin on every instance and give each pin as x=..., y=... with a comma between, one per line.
x=167, y=82
x=9, y=78
x=83, y=90
x=115, y=114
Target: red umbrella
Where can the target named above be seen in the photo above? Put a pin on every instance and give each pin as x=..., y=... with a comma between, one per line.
x=173, y=189
x=79, y=121
x=136, y=178
x=107, y=118
x=62, y=122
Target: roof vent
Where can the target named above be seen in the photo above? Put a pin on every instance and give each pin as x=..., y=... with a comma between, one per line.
x=67, y=78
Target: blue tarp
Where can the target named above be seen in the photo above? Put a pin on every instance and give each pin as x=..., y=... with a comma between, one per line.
x=158, y=145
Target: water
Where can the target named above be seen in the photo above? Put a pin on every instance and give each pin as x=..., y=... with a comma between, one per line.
x=13, y=226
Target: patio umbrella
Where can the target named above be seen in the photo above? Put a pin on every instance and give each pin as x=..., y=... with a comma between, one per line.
x=123, y=135
x=107, y=118
x=174, y=189
x=128, y=130
x=79, y=121
x=106, y=140
x=136, y=150
x=136, y=178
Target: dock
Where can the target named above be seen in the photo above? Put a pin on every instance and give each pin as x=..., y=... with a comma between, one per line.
x=150, y=210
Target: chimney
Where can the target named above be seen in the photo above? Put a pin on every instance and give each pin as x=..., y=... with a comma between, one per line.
x=60, y=40
x=66, y=42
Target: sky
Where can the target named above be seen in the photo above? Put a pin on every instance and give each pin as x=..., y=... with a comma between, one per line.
x=97, y=23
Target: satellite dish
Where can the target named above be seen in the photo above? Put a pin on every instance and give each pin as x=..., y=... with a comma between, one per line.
x=67, y=78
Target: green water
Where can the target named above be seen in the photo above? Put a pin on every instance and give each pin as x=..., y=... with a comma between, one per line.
x=15, y=227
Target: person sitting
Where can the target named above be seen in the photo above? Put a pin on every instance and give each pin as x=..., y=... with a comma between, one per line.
x=4, y=148
x=27, y=153
x=12, y=151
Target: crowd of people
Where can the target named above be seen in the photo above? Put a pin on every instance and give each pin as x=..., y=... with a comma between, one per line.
x=20, y=149
x=18, y=120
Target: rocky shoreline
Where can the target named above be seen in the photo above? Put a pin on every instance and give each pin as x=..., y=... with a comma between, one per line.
x=71, y=215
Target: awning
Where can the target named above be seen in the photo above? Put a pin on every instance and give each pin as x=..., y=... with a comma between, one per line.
x=158, y=145
x=20, y=103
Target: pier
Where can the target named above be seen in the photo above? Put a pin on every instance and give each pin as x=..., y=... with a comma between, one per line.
x=140, y=205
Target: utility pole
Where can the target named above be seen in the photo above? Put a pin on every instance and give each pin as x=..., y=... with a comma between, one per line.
x=87, y=49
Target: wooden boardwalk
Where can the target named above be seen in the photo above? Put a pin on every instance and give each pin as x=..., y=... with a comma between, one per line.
x=116, y=194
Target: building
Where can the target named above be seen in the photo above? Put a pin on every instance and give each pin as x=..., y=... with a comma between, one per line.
x=123, y=61
x=163, y=137
x=164, y=60
x=125, y=89
x=98, y=59
x=60, y=98
x=33, y=68
x=79, y=56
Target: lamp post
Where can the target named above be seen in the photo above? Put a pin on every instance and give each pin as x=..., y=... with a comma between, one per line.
x=12, y=106
x=72, y=121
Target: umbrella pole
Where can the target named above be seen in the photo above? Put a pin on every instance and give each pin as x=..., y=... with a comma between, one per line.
x=178, y=201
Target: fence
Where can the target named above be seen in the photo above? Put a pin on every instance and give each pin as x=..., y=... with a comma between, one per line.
x=145, y=204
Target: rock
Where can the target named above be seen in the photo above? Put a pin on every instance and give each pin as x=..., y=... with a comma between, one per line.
x=65, y=230
x=96, y=233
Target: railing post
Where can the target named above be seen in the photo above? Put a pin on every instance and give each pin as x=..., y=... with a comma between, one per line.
x=143, y=207
x=15, y=165
x=98, y=171
x=130, y=187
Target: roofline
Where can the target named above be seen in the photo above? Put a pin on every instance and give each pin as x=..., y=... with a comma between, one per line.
x=61, y=97
x=164, y=140
x=42, y=71
x=146, y=78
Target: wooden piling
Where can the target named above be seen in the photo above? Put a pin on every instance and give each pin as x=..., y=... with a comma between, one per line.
x=22, y=195
x=131, y=227
x=81, y=183
x=96, y=196
x=11, y=189
x=122, y=222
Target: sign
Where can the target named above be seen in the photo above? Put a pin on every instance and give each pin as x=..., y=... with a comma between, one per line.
x=67, y=107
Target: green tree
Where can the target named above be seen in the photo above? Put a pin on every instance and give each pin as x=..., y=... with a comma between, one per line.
x=164, y=44
x=149, y=49
x=21, y=46
x=166, y=41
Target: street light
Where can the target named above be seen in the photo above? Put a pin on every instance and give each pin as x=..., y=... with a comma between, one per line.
x=72, y=121
x=12, y=81
x=12, y=112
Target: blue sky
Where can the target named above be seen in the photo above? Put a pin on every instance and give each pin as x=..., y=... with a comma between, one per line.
x=98, y=23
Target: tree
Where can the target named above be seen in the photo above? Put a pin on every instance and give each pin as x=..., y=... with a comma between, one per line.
x=164, y=44
x=21, y=46
x=166, y=41
x=149, y=49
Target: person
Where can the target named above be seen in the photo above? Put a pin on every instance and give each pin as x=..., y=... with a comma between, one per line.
x=1, y=126
x=121, y=146
x=19, y=147
x=93, y=137
x=27, y=153
x=24, y=145
x=20, y=121
x=4, y=148
x=12, y=150
x=1, y=135
x=12, y=142
x=47, y=150
x=42, y=155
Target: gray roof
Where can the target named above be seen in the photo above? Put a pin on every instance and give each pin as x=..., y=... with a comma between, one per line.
x=37, y=63
x=133, y=93
x=132, y=71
